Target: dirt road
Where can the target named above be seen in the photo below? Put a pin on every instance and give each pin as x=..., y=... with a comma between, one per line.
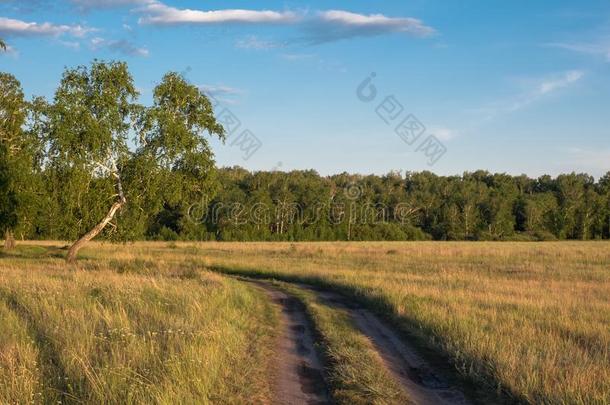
x=420, y=381
x=298, y=372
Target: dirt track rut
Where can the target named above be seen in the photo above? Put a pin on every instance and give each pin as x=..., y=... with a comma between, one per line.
x=298, y=372
x=420, y=381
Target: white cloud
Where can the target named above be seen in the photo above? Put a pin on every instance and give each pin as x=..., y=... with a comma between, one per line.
x=12, y=27
x=157, y=13
x=321, y=27
x=374, y=23
x=335, y=25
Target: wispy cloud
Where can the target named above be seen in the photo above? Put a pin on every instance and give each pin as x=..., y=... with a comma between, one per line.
x=335, y=25
x=599, y=48
x=121, y=46
x=320, y=27
x=564, y=80
x=11, y=27
x=316, y=27
x=538, y=90
x=546, y=86
x=157, y=13
x=223, y=93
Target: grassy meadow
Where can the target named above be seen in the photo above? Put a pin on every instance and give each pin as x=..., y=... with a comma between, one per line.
x=114, y=332
x=529, y=319
x=157, y=322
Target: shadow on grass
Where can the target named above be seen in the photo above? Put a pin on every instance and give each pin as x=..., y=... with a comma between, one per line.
x=27, y=252
x=482, y=388
x=50, y=361
x=38, y=252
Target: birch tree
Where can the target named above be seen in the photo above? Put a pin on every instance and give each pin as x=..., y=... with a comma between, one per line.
x=168, y=163
x=87, y=131
x=173, y=135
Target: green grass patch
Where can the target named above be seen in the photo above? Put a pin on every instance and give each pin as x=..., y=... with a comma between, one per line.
x=355, y=371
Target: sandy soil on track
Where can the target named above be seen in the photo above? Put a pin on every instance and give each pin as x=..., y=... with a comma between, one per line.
x=298, y=372
x=419, y=380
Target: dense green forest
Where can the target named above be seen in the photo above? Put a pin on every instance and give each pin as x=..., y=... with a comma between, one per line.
x=301, y=205
x=94, y=158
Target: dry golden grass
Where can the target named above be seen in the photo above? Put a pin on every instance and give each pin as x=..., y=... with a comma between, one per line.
x=128, y=330
x=529, y=319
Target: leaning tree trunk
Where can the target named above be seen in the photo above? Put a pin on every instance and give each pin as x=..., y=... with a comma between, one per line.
x=9, y=240
x=116, y=207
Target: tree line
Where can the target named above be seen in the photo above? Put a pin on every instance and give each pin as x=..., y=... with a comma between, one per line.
x=94, y=161
x=302, y=205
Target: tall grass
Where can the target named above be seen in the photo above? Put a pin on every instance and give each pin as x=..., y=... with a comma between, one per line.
x=528, y=319
x=531, y=320
x=20, y=381
x=129, y=331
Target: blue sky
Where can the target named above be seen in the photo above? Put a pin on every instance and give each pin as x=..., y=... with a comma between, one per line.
x=517, y=87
